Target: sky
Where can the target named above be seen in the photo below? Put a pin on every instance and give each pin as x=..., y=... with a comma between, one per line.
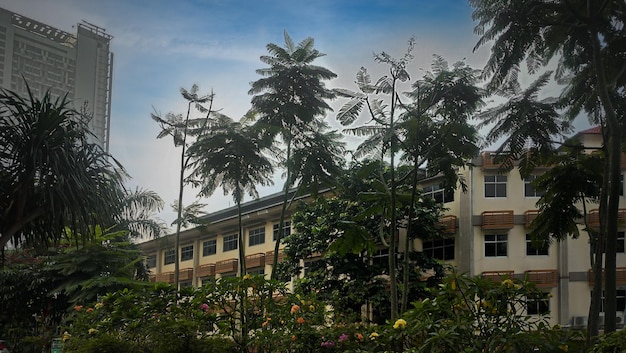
x=160, y=46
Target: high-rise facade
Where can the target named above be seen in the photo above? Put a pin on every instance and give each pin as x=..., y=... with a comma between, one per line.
x=46, y=58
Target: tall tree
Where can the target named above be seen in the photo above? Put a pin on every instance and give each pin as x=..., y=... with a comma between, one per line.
x=181, y=128
x=588, y=39
x=384, y=138
x=51, y=177
x=290, y=99
x=230, y=155
x=437, y=135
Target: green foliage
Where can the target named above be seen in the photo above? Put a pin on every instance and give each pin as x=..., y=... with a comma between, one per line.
x=479, y=315
x=614, y=342
x=51, y=176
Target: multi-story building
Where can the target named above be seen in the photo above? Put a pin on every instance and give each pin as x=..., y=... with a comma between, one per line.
x=487, y=228
x=79, y=65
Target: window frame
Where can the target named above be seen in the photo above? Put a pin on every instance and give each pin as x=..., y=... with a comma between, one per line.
x=151, y=261
x=531, y=250
x=230, y=242
x=256, y=234
x=286, y=230
x=445, y=245
x=208, y=250
x=169, y=256
x=528, y=187
x=438, y=193
x=497, y=181
x=540, y=304
x=496, y=243
x=186, y=253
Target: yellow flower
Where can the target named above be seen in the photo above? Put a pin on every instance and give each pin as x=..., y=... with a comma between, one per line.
x=247, y=276
x=66, y=336
x=312, y=308
x=99, y=305
x=92, y=331
x=373, y=336
x=400, y=323
x=564, y=347
x=453, y=285
x=508, y=283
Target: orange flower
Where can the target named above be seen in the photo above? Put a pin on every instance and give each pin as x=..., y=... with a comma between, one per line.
x=293, y=338
x=359, y=336
x=295, y=308
x=78, y=307
x=89, y=310
x=301, y=320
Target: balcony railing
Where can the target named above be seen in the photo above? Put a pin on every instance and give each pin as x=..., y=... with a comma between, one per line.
x=530, y=216
x=255, y=260
x=224, y=266
x=168, y=277
x=593, y=217
x=498, y=276
x=269, y=257
x=185, y=274
x=497, y=219
x=206, y=270
x=448, y=223
x=543, y=278
x=620, y=276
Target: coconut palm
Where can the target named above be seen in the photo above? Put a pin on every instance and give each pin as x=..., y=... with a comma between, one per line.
x=51, y=177
x=230, y=156
x=290, y=99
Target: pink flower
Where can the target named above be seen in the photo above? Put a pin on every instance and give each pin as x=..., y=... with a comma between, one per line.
x=343, y=337
x=204, y=307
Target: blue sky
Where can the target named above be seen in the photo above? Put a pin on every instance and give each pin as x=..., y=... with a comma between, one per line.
x=162, y=45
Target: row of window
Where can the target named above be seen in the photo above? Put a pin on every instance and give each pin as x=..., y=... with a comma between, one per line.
x=495, y=245
x=256, y=236
x=495, y=186
x=540, y=304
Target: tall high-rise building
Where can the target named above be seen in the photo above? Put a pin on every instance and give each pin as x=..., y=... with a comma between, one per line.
x=79, y=65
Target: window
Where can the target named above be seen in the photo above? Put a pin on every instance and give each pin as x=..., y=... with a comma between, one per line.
x=230, y=242
x=169, y=257
x=496, y=245
x=256, y=236
x=209, y=247
x=438, y=193
x=440, y=249
x=535, y=249
x=260, y=272
x=186, y=284
x=151, y=261
x=186, y=253
x=380, y=258
x=495, y=185
x=529, y=188
x=538, y=304
x=286, y=229
x=620, y=298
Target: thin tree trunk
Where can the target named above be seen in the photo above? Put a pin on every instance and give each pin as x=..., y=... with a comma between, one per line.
x=614, y=156
x=393, y=232
x=283, y=211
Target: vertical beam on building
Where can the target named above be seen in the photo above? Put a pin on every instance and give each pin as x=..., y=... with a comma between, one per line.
x=563, y=289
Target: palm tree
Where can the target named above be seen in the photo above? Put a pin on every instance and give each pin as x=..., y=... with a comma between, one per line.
x=137, y=214
x=180, y=129
x=289, y=99
x=587, y=37
x=230, y=155
x=51, y=177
